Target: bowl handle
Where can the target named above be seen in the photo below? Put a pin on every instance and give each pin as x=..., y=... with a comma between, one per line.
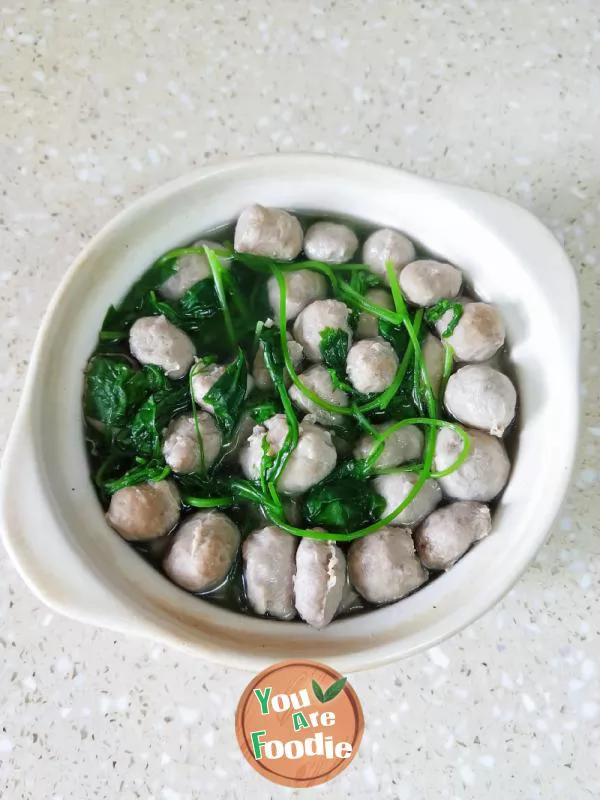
x=553, y=271
x=33, y=535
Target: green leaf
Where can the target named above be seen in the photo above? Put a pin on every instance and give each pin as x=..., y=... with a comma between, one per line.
x=334, y=350
x=154, y=277
x=200, y=301
x=263, y=411
x=106, y=397
x=318, y=691
x=153, y=470
x=227, y=395
x=145, y=433
x=396, y=335
x=335, y=688
x=272, y=354
x=437, y=311
x=342, y=505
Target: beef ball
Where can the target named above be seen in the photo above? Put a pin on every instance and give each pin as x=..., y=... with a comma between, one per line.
x=383, y=566
x=426, y=282
x=269, y=232
x=479, y=333
x=203, y=551
x=448, y=532
x=387, y=245
x=313, y=458
x=318, y=379
x=302, y=287
x=269, y=569
x=319, y=580
x=401, y=446
x=371, y=365
x=484, y=473
x=154, y=340
x=395, y=488
x=145, y=511
x=481, y=397
x=330, y=242
x=181, y=447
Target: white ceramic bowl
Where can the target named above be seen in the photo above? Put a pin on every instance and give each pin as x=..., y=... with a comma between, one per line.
x=53, y=525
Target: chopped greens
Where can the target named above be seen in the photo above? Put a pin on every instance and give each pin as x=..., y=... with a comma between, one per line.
x=342, y=505
x=334, y=350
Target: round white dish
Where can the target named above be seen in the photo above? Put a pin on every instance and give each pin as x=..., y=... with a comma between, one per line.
x=53, y=526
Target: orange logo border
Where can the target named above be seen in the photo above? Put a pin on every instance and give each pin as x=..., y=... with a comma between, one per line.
x=243, y=735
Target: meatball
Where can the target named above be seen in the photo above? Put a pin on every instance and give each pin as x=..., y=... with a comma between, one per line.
x=371, y=365
x=268, y=232
x=367, y=327
x=181, y=447
x=448, y=533
x=484, y=473
x=302, y=286
x=404, y=444
x=330, y=242
x=383, y=566
x=319, y=581
x=433, y=356
x=154, y=340
x=313, y=458
x=481, y=397
x=269, y=568
x=260, y=373
x=479, y=333
x=314, y=319
x=425, y=282
x=203, y=551
x=318, y=379
x=395, y=488
x=387, y=245
x=189, y=270
x=145, y=511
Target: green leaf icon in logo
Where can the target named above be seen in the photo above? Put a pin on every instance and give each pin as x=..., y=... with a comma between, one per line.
x=330, y=693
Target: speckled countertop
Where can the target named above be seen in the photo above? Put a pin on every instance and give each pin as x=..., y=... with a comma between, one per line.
x=100, y=102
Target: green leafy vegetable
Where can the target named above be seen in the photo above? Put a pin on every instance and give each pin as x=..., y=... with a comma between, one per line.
x=394, y=334
x=144, y=435
x=334, y=350
x=106, y=398
x=148, y=471
x=437, y=311
x=227, y=395
x=263, y=411
x=200, y=301
x=275, y=362
x=342, y=505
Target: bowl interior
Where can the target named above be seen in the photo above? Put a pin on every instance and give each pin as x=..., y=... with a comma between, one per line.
x=499, y=269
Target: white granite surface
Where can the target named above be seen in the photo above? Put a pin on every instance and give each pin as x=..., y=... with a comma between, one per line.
x=102, y=101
